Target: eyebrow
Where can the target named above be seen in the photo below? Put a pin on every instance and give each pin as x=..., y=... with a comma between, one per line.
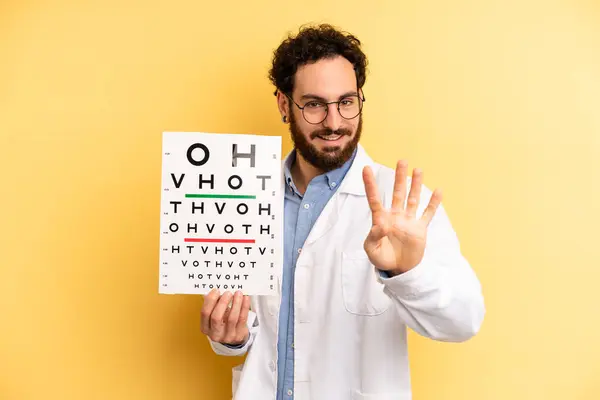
x=315, y=97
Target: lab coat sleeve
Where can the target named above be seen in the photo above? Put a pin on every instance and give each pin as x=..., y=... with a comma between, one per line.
x=225, y=350
x=441, y=297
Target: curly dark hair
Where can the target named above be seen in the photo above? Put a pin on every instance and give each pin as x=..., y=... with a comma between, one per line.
x=312, y=44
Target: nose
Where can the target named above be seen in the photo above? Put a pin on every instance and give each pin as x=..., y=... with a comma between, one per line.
x=334, y=119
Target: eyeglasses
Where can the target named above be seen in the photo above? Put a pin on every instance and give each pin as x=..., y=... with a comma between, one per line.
x=315, y=112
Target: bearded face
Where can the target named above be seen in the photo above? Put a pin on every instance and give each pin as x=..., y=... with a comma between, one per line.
x=325, y=112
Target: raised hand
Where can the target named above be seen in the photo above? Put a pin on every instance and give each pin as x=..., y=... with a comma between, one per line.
x=224, y=323
x=396, y=242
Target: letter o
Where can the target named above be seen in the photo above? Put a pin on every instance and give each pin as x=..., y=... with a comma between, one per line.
x=239, y=179
x=204, y=159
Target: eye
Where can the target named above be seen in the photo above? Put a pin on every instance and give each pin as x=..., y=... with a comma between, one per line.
x=347, y=101
x=313, y=104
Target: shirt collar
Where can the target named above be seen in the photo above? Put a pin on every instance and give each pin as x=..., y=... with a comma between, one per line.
x=287, y=167
x=335, y=177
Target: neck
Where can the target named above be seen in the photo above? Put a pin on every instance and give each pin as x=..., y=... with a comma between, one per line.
x=303, y=172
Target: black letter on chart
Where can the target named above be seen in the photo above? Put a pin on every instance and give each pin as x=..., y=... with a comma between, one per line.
x=177, y=183
x=175, y=204
x=236, y=155
x=195, y=207
x=211, y=181
x=239, y=184
x=267, y=209
x=194, y=147
x=220, y=210
x=263, y=177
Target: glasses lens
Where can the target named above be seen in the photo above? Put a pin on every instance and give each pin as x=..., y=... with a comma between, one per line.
x=315, y=112
x=350, y=107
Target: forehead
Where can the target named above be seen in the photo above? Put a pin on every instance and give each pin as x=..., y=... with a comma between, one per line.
x=327, y=78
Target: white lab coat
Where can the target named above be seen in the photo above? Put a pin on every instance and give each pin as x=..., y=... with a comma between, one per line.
x=350, y=324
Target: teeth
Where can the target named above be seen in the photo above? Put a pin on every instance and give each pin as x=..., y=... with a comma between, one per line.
x=331, y=138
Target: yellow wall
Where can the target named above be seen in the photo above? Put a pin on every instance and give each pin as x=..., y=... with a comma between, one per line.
x=498, y=101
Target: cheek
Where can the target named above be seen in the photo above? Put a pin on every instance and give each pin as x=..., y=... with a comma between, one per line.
x=305, y=130
x=351, y=126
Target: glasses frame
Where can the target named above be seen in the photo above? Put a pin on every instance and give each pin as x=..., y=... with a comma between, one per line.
x=362, y=100
x=358, y=92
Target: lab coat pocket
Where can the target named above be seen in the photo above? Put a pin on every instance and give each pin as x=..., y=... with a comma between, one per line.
x=361, y=292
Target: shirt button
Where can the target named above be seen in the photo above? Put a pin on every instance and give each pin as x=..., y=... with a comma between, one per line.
x=333, y=184
x=290, y=392
x=272, y=366
x=299, y=251
x=306, y=206
x=293, y=346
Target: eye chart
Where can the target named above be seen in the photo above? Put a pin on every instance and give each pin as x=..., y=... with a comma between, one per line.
x=221, y=221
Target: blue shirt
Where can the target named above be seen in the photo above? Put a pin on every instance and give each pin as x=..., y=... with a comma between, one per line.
x=300, y=214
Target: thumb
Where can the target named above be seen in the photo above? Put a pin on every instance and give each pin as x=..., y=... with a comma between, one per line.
x=376, y=233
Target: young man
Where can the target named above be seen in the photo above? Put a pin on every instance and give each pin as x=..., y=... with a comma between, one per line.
x=369, y=251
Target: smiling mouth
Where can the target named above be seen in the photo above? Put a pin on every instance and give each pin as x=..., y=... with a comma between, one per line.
x=330, y=138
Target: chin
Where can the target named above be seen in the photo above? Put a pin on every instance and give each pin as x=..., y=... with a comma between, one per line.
x=330, y=150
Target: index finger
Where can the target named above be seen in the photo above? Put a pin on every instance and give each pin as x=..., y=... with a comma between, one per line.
x=210, y=300
x=372, y=192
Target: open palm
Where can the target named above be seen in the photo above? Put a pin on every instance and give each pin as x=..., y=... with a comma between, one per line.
x=396, y=241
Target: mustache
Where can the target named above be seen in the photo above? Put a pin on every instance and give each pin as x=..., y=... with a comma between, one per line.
x=328, y=132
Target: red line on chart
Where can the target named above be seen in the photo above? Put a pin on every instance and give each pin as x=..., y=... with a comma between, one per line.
x=201, y=240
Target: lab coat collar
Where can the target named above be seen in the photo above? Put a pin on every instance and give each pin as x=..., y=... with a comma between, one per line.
x=353, y=183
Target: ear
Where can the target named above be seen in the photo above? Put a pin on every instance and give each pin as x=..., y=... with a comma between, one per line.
x=283, y=105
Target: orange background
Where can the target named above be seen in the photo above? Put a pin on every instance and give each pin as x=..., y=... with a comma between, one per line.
x=498, y=101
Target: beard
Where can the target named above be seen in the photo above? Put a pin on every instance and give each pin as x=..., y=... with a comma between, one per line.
x=331, y=157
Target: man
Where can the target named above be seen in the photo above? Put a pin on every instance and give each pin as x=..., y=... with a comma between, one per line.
x=369, y=251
